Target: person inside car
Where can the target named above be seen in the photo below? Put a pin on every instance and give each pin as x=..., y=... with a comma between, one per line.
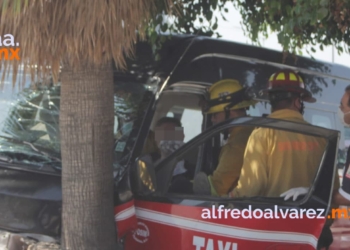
x=275, y=160
x=226, y=101
x=168, y=131
x=341, y=196
x=169, y=136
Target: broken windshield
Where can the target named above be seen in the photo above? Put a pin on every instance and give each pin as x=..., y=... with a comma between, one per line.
x=29, y=128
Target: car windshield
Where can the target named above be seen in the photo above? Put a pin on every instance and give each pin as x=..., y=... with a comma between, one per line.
x=29, y=123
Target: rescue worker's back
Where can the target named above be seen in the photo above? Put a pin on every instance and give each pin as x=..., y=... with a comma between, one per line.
x=277, y=160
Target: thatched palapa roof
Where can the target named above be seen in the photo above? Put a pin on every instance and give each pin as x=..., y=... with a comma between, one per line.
x=79, y=31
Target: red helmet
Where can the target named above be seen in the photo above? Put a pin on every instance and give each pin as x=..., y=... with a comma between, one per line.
x=289, y=81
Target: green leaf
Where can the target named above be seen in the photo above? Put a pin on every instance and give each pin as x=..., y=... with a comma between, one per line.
x=214, y=4
x=280, y=37
x=324, y=3
x=223, y=17
x=159, y=18
x=258, y=21
x=313, y=49
x=164, y=27
x=297, y=9
x=209, y=15
x=322, y=13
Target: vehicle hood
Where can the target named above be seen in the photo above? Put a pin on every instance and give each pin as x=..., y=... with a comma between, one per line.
x=31, y=202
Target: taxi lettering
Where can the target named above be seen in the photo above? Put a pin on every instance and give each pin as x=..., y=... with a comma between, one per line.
x=202, y=244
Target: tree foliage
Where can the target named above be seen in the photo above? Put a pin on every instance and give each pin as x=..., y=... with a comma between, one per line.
x=296, y=22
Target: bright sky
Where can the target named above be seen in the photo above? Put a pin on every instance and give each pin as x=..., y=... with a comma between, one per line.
x=232, y=30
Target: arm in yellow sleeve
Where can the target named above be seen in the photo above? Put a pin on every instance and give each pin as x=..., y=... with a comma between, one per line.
x=226, y=175
x=253, y=178
x=212, y=188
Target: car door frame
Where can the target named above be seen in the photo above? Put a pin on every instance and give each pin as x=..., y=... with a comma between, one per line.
x=244, y=121
x=318, y=197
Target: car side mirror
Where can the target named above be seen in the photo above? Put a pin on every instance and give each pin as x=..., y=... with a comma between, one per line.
x=144, y=178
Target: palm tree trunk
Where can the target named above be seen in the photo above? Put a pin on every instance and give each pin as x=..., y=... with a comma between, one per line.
x=86, y=128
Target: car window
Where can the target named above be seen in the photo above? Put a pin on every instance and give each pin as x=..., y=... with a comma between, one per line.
x=322, y=121
x=191, y=120
x=322, y=118
x=259, y=109
x=300, y=147
x=183, y=107
x=170, y=114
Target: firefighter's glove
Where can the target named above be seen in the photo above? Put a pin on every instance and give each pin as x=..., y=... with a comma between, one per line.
x=295, y=192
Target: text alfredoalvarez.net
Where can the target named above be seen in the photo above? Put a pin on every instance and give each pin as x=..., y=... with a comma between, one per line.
x=8, y=48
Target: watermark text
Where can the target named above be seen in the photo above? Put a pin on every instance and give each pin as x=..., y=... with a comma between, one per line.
x=7, y=53
x=275, y=213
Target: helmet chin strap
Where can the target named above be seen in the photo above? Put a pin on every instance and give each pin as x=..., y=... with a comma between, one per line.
x=302, y=107
x=227, y=116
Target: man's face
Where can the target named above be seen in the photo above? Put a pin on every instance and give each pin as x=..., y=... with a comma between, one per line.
x=217, y=117
x=220, y=116
x=344, y=107
x=169, y=132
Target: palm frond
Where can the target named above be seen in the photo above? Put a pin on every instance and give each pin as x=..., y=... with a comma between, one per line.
x=76, y=31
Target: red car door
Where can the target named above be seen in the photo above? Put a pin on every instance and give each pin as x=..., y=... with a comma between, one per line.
x=187, y=221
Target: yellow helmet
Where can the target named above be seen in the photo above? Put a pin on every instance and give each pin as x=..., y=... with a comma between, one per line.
x=221, y=96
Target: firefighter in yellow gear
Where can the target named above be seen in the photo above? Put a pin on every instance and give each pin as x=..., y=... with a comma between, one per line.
x=275, y=160
x=227, y=100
